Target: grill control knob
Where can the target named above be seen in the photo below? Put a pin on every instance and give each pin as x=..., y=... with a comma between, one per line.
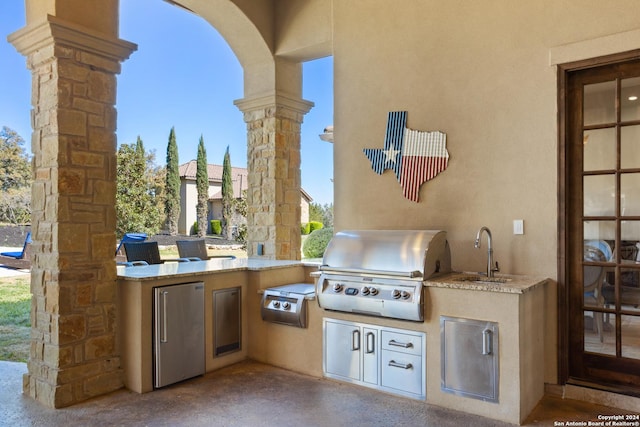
x=395, y=294
x=286, y=305
x=337, y=287
x=373, y=291
x=276, y=304
x=405, y=295
x=365, y=290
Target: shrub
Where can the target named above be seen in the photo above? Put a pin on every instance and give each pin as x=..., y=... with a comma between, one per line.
x=315, y=245
x=194, y=229
x=216, y=226
x=315, y=225
x=305, y=229
x=242, y=235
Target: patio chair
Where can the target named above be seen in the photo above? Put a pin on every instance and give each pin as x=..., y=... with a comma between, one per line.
x=196, y=250
x=121, y=257
x=21, y=259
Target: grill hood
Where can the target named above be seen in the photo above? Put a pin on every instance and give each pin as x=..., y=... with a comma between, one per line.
x=405, y=253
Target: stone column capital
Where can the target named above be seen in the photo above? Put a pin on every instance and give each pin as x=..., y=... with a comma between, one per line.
x=273, y=105
x=42, y=36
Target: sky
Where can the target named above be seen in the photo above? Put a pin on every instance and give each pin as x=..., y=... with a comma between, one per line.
x=183, y=75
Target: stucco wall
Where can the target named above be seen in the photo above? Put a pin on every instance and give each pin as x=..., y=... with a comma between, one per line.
x=480, y=73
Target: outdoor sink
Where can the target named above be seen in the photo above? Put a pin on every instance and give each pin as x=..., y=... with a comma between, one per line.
x=477, y=278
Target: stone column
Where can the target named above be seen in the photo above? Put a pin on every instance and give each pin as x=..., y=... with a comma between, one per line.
x=74, y=355
x=273, y=163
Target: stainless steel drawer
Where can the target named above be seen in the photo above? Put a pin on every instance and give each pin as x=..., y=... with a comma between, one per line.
x=402, y=371
x=404, y=343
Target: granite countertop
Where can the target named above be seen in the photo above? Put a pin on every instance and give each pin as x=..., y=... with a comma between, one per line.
x=505, y=283
x=195, y=268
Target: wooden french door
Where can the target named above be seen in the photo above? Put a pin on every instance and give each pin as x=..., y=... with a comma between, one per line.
x=600, y=226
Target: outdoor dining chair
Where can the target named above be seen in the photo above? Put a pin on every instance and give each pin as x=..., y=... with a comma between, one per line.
x=196, y=250
x=145, y=252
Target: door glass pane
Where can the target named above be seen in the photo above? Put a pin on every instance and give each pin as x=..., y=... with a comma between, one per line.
x=630, y=290
x=601, y=235
x=630, y=336
x=599, y=149
x=599, y=195
x=630, y=194
x=630, y=147
x=630, y=99
x=630, y=236
x=600, y=103
x=593, y=277
x=598, y=335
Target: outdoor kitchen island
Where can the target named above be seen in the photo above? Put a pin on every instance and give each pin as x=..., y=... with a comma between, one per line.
x=515, y=306
x=135, y=288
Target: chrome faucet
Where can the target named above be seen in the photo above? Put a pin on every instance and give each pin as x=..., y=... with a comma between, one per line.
x=490, y=268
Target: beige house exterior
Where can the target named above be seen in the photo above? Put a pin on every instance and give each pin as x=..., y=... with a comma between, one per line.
x=485, y=73
x=189, y=195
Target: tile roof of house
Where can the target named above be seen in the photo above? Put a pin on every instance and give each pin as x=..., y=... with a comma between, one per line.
x=214, y=172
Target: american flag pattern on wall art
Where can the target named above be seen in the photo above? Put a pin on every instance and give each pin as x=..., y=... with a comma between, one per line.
x=415, y=156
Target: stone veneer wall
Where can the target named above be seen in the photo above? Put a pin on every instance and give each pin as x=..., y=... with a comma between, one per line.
x=273, y=162
x=73, y=353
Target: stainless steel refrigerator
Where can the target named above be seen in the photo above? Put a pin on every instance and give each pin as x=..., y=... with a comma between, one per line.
x=178, y=335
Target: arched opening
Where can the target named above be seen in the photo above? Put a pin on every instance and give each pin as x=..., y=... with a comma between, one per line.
x=75, y=58
x=187, y=79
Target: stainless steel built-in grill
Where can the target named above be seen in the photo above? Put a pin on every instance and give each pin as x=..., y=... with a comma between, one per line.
x=381, y=273
x=287, y=304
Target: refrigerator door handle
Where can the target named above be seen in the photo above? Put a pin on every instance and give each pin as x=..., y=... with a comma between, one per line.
x=163, y=332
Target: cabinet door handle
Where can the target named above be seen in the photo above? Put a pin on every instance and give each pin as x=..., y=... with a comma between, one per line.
x=400, y=344
x=487, y=342
x=371, y=343
x=355, y=340
x=400, y=365
x=163, y=333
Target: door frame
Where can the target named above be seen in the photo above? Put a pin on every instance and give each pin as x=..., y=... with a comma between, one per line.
x=564, y=160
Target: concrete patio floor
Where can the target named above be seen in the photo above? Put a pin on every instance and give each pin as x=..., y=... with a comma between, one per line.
x=254, y=394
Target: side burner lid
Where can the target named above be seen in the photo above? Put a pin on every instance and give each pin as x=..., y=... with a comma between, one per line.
x=295, y=288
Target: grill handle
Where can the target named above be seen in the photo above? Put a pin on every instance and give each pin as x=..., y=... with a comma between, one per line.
x=363, y=271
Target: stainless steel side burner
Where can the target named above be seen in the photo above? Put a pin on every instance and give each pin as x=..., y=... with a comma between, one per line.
x=381, y=272
x=287, y=304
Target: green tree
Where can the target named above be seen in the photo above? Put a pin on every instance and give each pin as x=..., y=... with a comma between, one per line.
x=15, y=164
x=240, y=206
x=202, y=186
x=15, y=178
x=227, y=195
x=321, y=213
x=137, y=205
x=172, y=185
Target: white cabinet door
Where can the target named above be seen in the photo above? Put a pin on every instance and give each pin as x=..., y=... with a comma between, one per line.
x=370, y=359
x=342, y=350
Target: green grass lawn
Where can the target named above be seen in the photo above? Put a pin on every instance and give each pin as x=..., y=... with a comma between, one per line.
x=15, y=325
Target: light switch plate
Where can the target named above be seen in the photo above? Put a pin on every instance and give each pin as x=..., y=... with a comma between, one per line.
x=518, y=226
